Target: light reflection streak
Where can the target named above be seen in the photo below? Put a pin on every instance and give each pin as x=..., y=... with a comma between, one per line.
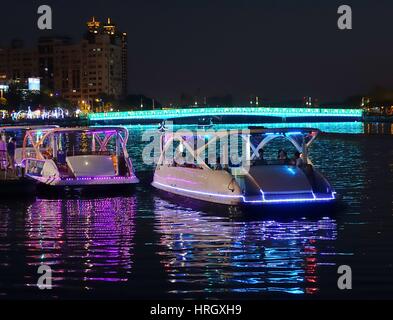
x=206, y=254
x=84, y=241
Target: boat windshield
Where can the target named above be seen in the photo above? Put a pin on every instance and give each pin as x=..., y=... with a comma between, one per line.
x=62, y=144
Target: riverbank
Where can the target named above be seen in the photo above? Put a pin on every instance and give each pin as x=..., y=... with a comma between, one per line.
x=379, y=119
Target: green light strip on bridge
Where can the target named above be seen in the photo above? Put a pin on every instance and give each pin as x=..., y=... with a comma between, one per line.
x=202, y=112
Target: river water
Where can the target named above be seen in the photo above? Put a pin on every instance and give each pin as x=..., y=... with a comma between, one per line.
x=143, y=246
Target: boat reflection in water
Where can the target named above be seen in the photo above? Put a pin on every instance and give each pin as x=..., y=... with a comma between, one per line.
x=86, y=242
x=205, y=254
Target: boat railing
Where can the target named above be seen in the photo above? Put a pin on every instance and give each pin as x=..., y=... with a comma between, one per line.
x=3, y=163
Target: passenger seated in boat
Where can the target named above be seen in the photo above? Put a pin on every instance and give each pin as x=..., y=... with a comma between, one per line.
x=283, y=157
x=218, y=165
x=260, y=160
x=178, y=160
x=48, y=154
x=298, y=160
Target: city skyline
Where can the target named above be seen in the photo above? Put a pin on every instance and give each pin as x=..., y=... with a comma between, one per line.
x=80, y=71
x=275, y=51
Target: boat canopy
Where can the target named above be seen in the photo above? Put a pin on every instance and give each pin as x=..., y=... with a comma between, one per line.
x=100, y=139
x=255, y=139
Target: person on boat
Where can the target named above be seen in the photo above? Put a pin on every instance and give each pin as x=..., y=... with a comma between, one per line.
x=11, y=146
x=3, y=152
x=218, y=165
x=298, y=160
x=178, y=160
x=48, y=154
x=283, y=156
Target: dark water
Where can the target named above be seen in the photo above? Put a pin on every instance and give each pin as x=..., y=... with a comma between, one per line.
x=144, y=246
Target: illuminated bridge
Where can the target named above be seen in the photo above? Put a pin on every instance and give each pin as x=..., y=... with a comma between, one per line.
x=266, y=112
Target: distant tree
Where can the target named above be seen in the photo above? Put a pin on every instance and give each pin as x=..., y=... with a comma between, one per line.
x=138, y=102
x=186, y=99
x=226, y=100
x=13, y=97
x=18, y=98
x=381, y=96
x=3, y=103
x=353, y=101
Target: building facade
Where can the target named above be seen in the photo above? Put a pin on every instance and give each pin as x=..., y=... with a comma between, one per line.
x=18, y=63
x=79, y=72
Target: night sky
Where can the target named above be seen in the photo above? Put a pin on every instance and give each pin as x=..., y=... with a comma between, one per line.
x=276, y=49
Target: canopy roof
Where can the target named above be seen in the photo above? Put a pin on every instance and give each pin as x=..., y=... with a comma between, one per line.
x=251, y=131
x=301, y=138
x=36, y=138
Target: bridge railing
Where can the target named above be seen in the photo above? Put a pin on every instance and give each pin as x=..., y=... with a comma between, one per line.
x=227, y=111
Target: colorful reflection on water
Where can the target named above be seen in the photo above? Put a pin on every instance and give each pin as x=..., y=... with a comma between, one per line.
x=207, y=254
x=142, y=246
x=85, y=241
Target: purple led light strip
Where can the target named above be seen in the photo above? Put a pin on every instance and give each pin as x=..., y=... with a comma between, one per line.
x=94, y=178
x=86, y=178
x=314, y=199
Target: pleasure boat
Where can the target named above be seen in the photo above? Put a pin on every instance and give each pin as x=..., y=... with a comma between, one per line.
x=18, y=133
x=255, y=181
x=79, y=157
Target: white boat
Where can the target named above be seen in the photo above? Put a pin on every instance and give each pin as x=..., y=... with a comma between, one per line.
x=79, y=157
x=254, y=182
x=19, y=132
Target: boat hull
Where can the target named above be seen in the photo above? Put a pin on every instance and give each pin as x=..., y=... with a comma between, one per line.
x=253, y=188
x=250, y=203
x=201, y=196
x=207, y=185
x=242, y=211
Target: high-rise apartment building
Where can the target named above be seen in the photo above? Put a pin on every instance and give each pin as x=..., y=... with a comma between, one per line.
x=80, y=72
x=18, y=63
